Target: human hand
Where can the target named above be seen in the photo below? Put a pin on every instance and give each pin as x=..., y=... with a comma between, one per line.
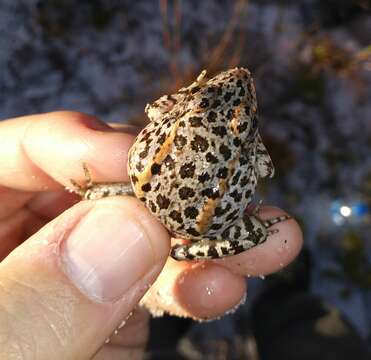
x=72, y=271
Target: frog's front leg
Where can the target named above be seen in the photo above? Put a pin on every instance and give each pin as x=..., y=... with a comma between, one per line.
x=245, y=234
x=94, y=191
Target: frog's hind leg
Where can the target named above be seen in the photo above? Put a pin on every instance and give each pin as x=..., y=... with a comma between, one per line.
x=202, y=250
x=244, y=235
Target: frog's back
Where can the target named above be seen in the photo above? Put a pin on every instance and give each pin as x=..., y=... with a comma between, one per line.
x=195, y=167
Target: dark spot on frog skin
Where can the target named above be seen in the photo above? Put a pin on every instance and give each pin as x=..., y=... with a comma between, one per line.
x=248, y=194
x=236, y=177
x=144, y=153
x=152, y=206
x=204, y=177
x=146, y=187
x=166, y=121
x=169, y=162
x=236, y=196
x=237, y=232
x=216, y=226
x=187, y=170
x=211, y=251
x=199, y=143
x=225, y=233
x=211, y=158
x=219, y=130
x=236, y=246
x=232, y=215
x=222, y=173
x=193, y=232
x=145, y=137
x=186, y=192
x=227, y=96
x=211, y=116
x=216, y=104
x=134, y=179
x=210, y=193
x=190, y=256
x=155, y=169
x=219, y=211
x=180, y=141
x=225, y=151
x=236, y=102
x=204, y=103
x=139, y=166
x=195, y=121
x=161, y=139
x=230, y=114
x=244, y=160
x=162, y=201
x=242, y=127
x=191, y=212
x=224, y=250
x=244, y=181
x=176, y=216
x=236, y=142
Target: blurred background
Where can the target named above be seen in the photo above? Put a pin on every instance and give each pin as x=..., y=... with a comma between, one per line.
x=311, y=60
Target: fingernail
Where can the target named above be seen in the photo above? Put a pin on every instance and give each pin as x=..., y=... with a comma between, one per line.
x=107, y=253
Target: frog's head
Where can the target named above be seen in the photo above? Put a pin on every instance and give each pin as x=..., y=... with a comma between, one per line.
x=264, y=164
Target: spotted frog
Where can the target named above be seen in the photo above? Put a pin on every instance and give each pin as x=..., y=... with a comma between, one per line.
x=196, y=166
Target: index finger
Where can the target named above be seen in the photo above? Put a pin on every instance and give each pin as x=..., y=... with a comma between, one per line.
x=41, y=152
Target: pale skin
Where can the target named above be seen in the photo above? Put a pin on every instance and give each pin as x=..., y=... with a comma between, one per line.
x=39, y=154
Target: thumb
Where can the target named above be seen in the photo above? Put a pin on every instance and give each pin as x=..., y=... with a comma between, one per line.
x=67, y=288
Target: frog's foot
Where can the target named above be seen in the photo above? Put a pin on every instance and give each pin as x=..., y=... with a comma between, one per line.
x=94, y=191
x=245, y=234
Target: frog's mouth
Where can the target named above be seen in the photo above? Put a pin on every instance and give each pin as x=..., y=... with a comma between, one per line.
x=264, y=164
